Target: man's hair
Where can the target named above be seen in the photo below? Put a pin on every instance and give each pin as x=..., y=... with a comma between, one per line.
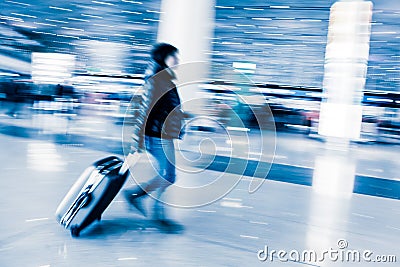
x=161, y=51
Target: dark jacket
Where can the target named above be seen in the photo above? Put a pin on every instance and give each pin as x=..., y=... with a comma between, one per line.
x=164, y=119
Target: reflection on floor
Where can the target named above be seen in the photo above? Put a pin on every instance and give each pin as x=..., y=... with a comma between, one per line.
x=292, y=210
x=369, y=169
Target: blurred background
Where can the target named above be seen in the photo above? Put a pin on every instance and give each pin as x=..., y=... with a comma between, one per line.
x=70, y=75
x=62, y=61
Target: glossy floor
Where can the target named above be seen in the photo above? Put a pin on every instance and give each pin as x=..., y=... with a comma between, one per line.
x=240, y=229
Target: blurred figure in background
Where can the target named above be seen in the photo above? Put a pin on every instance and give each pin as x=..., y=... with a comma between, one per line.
x=162, y=125
x=14, y=99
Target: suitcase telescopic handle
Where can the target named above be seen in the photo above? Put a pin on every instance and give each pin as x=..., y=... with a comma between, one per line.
x=129, y=162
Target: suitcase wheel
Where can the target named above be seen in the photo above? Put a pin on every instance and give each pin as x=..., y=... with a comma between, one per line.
x=75, y=231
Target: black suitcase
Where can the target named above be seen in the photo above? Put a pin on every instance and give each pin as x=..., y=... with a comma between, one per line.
x=91, y=194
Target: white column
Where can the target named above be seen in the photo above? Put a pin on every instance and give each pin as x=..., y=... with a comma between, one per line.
x=189, y=25
x=346, y=62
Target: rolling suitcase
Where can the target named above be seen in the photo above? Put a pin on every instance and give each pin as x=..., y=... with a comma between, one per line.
x=91, y=194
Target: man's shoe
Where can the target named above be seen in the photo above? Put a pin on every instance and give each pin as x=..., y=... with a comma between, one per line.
x=169, y=226
x=136, y=202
